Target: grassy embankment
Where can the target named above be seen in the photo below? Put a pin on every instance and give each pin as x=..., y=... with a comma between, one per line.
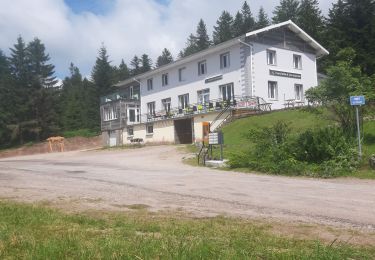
x=33, y=232
x=299, y=121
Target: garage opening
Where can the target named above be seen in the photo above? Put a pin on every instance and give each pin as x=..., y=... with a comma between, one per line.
x=183, y=131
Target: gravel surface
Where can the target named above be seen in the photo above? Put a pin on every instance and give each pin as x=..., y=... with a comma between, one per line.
x=155, y=177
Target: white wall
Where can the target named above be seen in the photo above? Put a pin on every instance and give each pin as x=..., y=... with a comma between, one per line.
x=194, y=82
x=284, y=62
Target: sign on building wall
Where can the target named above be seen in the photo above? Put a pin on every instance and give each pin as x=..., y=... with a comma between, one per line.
x=285, y=74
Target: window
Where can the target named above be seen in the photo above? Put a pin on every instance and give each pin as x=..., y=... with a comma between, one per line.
x=166, y=104
x=183, y=101
x=131, y=92
x=151, y=108
x=110, y=113
x=227, y=91
x=202, y=68
x=133, y=114
x=150, y=84
x=272, y=90
x=204, y=96
x=149, y=129
x=298, y=90
x=181, y=74
x=164, y=79
x=271, y=57
x=297, y=61
x=130, y=131
x=224, y=60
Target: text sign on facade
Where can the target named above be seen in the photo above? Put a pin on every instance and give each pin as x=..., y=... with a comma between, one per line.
x=285, y=74
x=357, y=100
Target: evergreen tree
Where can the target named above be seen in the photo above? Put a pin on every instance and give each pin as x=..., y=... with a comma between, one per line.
x=191, y=46
x=19, y=63
x=223, y=29
x=202, y=39
x=103, y=74
x=135, y=66
x=310, y=18
x=287, y=10
x=122, y=72
x=164, y=58
x=7, y=101
x=41, y=71
x=146, y=63
x=42, y=94
x=262, y=19
x=248, y=19
x=350, y=23
x=72, y=100
x=238, y=25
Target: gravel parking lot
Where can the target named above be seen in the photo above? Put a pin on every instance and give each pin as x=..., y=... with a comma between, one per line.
x=156, y=178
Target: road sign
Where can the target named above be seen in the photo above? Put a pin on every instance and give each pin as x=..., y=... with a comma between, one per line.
x=357, y=100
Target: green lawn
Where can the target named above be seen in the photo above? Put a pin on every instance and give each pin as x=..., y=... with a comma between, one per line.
x=33, y=232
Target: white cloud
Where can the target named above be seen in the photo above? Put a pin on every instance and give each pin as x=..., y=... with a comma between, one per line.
x=131, y=27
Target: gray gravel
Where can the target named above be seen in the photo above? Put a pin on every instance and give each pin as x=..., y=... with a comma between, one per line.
x=156, y=177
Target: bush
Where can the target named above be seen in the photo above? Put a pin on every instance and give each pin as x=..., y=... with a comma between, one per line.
x=324, y=152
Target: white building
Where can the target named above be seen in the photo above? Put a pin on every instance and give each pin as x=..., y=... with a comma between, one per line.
x=183, y=101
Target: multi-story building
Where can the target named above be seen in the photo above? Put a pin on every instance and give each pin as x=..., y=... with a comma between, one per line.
x=183, y=101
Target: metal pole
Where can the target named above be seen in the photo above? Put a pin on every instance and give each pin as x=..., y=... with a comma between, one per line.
x=359, y=134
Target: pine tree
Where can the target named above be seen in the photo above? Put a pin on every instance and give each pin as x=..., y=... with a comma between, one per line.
x=310, y=18
x=202, y=38
x=7, y=101
x=164, y=58
x=350, y=23
x=238, y=25
x=146, y=63
x=42, y=94
x=135, y=64
x=223, y=29
x=19, y=63
x=262, y=19
x=191, y=46
x=248, y=19
x=41, y=71
x=287, y=10
x=122, y=72
x=103, y=74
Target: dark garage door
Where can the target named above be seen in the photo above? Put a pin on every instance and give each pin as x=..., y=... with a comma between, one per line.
x=183, y=131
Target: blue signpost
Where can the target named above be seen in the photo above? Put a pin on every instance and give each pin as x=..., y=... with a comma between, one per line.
x=358, y=101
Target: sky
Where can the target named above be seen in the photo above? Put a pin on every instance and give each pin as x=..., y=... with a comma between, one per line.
x=74, y=30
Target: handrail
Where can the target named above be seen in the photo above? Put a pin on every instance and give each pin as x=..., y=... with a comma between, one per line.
x=200, y=151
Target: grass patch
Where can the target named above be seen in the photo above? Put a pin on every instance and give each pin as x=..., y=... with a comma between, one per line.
x=34, y=232
x=81, y=132
x=236, y=141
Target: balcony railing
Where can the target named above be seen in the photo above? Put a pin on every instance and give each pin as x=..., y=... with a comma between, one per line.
x=237, y=102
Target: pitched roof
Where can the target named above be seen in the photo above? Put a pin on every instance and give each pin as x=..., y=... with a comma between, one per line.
x=320, y=50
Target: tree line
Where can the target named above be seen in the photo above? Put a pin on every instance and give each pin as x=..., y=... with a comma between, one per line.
x=33, y=108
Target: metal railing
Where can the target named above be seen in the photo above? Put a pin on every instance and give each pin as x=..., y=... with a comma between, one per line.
x=217, y=105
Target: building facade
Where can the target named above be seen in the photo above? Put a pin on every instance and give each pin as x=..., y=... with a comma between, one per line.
x=183, y=101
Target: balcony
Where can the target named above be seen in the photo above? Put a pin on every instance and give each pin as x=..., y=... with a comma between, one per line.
x=218, y=105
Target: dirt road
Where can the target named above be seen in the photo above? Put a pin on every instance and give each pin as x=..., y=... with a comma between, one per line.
x=156, y=177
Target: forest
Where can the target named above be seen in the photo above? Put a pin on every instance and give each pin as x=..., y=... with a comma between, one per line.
x=33, y=106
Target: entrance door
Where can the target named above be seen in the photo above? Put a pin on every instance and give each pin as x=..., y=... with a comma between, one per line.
x=205, y=131
x=183, y=131
x=112, y=138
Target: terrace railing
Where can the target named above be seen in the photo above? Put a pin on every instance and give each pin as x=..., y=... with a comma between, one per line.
x=238, y=102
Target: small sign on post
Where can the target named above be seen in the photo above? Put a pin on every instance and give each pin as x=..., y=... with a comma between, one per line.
x=215, y=139
x=358, y=101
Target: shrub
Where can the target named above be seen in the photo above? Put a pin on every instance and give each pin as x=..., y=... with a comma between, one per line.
x=324, y=152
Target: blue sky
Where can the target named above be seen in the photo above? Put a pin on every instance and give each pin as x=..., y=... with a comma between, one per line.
x=74, y=30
